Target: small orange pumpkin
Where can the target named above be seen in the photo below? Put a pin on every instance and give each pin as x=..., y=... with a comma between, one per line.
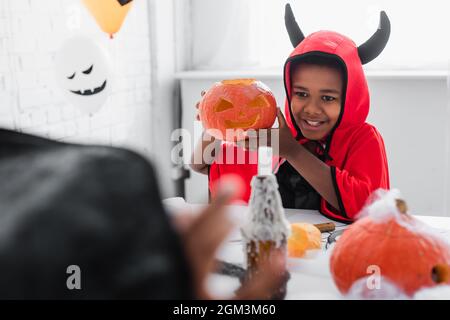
x=304, y=236
x=242, y=104
x=405, y=254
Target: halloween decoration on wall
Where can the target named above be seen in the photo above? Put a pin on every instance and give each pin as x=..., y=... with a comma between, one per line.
x=406, y=252
x=109, y=14
x=242, y=104
x=84, y=74
x=304, y=236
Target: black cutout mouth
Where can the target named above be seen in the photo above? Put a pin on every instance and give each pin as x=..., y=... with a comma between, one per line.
x=90, y=92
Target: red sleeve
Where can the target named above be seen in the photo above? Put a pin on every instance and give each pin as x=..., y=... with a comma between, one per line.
x=364, y=171
x=245, y=170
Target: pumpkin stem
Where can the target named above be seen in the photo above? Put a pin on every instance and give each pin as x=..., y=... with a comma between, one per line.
x=440, y=273
x=401, y=206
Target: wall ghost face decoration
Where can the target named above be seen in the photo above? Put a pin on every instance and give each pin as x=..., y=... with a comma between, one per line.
x=84, y=74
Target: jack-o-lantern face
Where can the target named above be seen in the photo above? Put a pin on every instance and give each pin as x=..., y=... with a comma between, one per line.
x=242, y=104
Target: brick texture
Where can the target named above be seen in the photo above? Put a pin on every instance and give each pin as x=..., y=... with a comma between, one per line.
x=31, y=31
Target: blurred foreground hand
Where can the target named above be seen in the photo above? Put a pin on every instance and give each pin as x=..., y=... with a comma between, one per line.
x=202, y=234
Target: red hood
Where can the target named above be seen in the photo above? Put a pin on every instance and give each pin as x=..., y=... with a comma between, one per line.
x=356, y=100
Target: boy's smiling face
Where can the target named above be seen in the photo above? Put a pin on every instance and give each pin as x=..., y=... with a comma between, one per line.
x=316, y=99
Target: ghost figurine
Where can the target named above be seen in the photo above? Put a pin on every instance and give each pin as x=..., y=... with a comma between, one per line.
x=84, y=74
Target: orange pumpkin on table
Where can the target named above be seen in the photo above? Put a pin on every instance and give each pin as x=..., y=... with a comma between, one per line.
x=304, y=236
x=406, y=252
x=232, y=107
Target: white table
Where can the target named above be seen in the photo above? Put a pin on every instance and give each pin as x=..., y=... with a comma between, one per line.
x=310, y=275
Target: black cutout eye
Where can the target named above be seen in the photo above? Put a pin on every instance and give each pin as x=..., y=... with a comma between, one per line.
x=72, y=76
x=88, y=70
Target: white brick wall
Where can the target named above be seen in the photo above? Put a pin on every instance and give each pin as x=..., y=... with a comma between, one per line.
x=30, y=101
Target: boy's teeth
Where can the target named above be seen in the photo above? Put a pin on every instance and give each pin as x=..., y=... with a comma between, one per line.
x=313, y=123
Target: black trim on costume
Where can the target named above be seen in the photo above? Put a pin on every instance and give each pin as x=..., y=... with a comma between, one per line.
x=297, y=129
x=338, y=193
x=333, y=218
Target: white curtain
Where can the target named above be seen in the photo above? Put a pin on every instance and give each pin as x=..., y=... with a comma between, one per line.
x=251, y=33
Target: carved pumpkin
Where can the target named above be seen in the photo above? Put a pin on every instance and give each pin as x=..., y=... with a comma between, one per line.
x=407, y=252
x=304, y=236
x=234, y=106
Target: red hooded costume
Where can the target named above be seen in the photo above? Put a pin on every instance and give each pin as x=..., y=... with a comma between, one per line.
x=354, y=149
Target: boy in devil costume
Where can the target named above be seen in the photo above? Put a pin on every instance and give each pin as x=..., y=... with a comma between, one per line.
x=331, y=159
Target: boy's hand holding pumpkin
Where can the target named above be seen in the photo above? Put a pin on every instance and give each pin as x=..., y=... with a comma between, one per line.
x=197, y=106
x=280, y=139
x=202, y=236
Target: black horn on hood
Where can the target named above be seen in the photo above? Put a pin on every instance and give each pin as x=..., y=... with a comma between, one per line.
x=370, y=49
x=295, y=34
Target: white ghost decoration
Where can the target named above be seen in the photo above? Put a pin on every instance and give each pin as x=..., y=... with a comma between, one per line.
x=83, y=72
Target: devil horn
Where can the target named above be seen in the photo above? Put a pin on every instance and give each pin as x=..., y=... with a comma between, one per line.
x=295, y=34
x=370, y=49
